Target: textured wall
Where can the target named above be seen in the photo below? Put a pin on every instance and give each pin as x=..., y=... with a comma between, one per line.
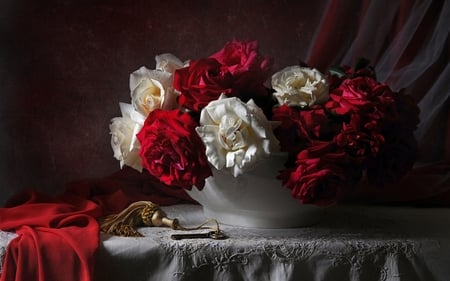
x=65, y=66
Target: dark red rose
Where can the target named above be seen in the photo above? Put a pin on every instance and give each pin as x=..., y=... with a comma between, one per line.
x=317, y=186
x=322, y=176
x=359, y=143
x=320, y=149
x=292, y=140
x=317, y=124
x=249, y=68
x=172, y=151
x=300, y=127
x=202, y=81
x=312, y=182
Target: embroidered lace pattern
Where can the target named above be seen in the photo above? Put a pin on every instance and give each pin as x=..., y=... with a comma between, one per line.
x=354, y=243
x=5, y=238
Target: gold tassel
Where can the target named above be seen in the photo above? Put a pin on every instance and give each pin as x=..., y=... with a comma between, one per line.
x=146, y=213
x=141, y=213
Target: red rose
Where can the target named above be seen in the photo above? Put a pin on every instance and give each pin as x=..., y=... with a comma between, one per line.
x=316, y=124
x=249, y=68
x=359, y=143
x=352, y=95
x=202, y=81
x=363, y=95
x=322, y=176
x=287, y=132
x=300, y=127
x=314, y=182
x=317, y=186
x=236, y=70
x=172, y=151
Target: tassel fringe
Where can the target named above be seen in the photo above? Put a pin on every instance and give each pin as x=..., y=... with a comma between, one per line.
x=144, y=213
x=124, y=224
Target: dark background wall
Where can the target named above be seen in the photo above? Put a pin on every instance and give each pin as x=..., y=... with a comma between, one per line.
x=65, y=64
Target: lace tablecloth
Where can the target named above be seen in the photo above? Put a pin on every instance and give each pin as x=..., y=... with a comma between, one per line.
x=349, y=243
x=5, y=237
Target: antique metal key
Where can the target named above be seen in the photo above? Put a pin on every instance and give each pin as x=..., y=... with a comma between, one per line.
x=211, y=235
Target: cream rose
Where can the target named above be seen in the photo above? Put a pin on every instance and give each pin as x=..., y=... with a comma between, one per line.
x=300, y=86
x=123, y=136
x=151, y=89
x=236, y=134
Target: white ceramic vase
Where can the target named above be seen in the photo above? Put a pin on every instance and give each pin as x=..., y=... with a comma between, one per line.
x=255, y=199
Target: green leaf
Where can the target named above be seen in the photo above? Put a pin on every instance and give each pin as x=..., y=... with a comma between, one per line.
x=337, y=71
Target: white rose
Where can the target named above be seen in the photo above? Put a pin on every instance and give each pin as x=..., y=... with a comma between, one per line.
x=151, y=89
x=236, y=134
x=123, y=136
x=300, y=86
x=168, y=63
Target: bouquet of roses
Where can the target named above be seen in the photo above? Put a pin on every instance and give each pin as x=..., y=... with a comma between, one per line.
x=186, y=118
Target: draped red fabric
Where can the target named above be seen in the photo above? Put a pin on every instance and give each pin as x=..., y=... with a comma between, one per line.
x=114, y=193
x=58, y=237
